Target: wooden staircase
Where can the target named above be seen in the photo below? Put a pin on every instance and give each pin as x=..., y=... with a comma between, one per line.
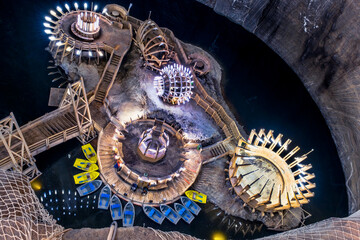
x=218, y=149
x=215, y=110
x=108, y=77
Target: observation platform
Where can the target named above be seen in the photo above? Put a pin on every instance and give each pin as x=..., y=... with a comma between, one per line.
x=112, y=35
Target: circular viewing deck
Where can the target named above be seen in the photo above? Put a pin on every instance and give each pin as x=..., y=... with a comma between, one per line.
x=165, y=180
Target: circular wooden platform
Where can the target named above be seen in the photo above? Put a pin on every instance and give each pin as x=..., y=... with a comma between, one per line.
x=120, y=182
x=264, y=179
x=169, y=164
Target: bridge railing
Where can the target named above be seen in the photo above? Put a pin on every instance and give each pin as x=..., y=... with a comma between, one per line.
x=44, y=117
x=54, y=140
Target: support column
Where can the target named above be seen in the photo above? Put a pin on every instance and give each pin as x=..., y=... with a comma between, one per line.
x=19, y=156
x=75, y=95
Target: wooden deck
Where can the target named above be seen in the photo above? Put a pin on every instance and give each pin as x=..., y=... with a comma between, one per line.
x=263, y=178
x=172, y=188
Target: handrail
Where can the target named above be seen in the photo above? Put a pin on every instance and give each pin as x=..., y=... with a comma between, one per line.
x=221, y=113
x=46, y=115
x=104, y=72
x=48, y=142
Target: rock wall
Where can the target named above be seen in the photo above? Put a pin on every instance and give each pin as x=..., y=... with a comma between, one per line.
x=134, y=233
x=320, y=41
x=331, y=228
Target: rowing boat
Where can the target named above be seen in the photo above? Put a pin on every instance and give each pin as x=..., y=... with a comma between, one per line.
x=85, y=165
x=170, y=213
x=116, y=208
x=85, y=177
x=154, y=214
x=129, y=215
x=190, y=205
x=89, y=153
x=89, y=187
x=184, y=213
x=196, y=196
x=104, y=198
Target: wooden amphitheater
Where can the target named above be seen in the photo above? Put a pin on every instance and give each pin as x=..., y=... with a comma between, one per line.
x=162, y=190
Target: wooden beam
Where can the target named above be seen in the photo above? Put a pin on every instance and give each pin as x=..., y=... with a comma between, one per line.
x=267, y=138
x=252, y=134
x=291, y=153
x=276, y=141
x=303, y=169
x=283, y=147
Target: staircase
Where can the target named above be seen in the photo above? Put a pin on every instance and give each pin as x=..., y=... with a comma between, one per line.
x=218, y=150
x=108, y=77
x=216, y=111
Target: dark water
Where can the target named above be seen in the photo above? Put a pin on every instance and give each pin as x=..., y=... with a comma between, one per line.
x=262, y=89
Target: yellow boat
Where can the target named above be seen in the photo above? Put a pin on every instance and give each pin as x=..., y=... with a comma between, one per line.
x=85, y=177
x=196, y=196
x=89, y=153
x=85, y=165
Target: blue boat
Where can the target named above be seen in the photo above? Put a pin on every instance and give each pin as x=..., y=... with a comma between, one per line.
x=129, y=215
x=104, y=198
x=190, y=205
x=154, y=214
x=184, y=213
x=89, y=187
x=170, y=213
x=116, y=208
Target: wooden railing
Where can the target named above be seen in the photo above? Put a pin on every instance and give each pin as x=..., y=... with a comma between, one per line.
x=216, y=111
x=54, y=140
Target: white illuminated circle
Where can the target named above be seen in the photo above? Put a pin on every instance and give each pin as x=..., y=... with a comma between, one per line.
x=175, y=84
